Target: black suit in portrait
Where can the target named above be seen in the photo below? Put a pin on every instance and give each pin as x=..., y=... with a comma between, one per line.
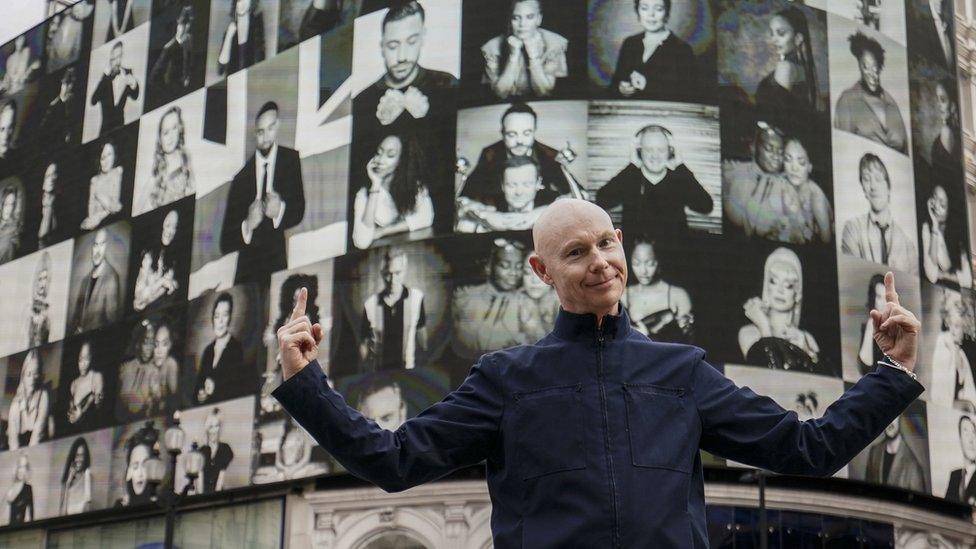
x=113, y=112
x=267, y=252
x=250, y=52
x=671, y=71
x=229, y=379
x=172, y=73
x=59, y=124
x=485, y=182
x=957, y=492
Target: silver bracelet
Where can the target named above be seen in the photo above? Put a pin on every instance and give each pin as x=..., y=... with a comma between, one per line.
x=892, y=363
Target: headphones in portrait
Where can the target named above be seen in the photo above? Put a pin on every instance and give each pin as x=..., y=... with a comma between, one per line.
x=656, y=127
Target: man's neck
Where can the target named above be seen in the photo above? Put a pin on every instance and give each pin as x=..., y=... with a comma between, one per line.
x=653, y=177
x=97, y=270
x=883, y=217
x=893, y=444
x=267, y=155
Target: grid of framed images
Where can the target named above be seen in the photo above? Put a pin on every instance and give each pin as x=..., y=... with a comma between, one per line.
x=173, y=171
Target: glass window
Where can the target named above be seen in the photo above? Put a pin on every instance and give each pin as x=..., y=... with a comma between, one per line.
x=141, y=534
x=251, y=526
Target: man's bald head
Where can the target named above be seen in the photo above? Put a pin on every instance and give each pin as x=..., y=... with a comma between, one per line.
x=551, y=226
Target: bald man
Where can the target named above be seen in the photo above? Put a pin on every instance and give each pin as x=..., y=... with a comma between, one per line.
x=591, y=436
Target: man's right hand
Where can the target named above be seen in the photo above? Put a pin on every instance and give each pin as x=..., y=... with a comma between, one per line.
x=298, y=340
x=255, y=214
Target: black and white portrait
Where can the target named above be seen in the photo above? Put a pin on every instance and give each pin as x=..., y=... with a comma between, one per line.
x=869, y=95
x=862, y=289
x=652, y=49
x=772, y=59
x=392, y=397
x=99, y=269
x=148, y=378
x=286, y=452
x=23, y=486
x=68, y=34
x=29, y=396
x=656, y=166
x=874, y=196
x=35, y=300
x=899, y=457
x=52, y=201
x=20, y=61
x=115, y=18
x=13, y=213
x=950, y=327
x=159, y=265
x=301, y=20
x=224, y=356
x=952, y=447
x=132, y=446
x=177, y=51
x=779, y=189
x=108, y=173
x=931, y=31
x=222, y=434
x=86, y=393
x=242, y=33
x=406, y=64
x=171, y=176
x=80, y=469
x=62, y=100
x=11, y=122
x=116, y=81
x=657, y=307
x=516, y=159
x=522, y=49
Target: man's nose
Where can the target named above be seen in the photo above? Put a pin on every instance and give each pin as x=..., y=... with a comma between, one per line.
x=599, y=263
x=401, y=54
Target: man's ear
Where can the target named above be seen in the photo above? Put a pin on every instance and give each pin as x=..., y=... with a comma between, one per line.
x=539, y=268
x=620, y=235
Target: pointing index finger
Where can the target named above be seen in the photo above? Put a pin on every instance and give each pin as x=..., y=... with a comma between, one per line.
x=890, y=294
x=299, y=310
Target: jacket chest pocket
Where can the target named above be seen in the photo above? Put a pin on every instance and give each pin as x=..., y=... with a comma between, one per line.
x=661, y=427
x=549, y=431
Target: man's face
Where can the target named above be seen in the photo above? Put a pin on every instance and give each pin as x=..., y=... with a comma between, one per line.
x=891, y=431
x=386, y=408
x=98, y=248
x=526, y=18
x=520, y=186
x=115, y=58
x=770, y=153
x=394, y=272
x=874, y=183
x=506, y=268
x=870, y=71
x=221, y=319
x=967, y=439
x=518, y=131
x=6, y=128
x=654, y=151
x=170, y=225
x=401, y=44
x=266, y=131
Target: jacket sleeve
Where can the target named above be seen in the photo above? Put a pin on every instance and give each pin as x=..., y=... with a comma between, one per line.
x=459, y=430
x=739, y=424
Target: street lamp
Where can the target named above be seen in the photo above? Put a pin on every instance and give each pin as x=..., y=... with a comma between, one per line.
x=168, y=499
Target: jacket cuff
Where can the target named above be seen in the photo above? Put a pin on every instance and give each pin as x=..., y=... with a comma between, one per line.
x=295, y=390
x=906, y=387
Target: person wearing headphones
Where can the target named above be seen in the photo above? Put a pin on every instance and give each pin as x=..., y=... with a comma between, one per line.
x=655, y=188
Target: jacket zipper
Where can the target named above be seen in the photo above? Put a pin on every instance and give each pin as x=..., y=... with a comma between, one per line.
x=606, y=440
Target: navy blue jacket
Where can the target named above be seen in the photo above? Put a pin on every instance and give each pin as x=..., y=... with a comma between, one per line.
x=591, y=436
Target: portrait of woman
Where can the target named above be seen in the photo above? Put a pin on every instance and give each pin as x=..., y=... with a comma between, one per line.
x=791, y=88
x=946, y=149
x=76, y=480
x=952, y=377
x=396, y=200
x=658, y=309
x=20, y=67
x=526, y=60
x=20, y=495
x=866, y=108
x=39, y=321
x=11, y=220
x=243, y=41
x=87, y=392
x=774, y=337
x=217, y=455
x=48, y=229
x=136, y=396
x=869, y=353
x=29, y=412
x=105, y=191
x=165, y=369
x=294, y=456
x=157, y=277
x=654, y=63
x=944, y=254
x=138, y=449
x=172, y=175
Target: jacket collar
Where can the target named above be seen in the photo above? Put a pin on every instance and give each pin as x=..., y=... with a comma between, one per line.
x=582, y=327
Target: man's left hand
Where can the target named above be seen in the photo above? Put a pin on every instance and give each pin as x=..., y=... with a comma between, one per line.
x=896, y=328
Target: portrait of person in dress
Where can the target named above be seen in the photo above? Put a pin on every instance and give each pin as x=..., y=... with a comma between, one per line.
x=176, y=70
x=655, y=187
x=875, y=235
x=394, y=319
x=86, y=393
x=789, y=94
x=66, y=34
x=944, y=254
x=140, y=386
x=868, y=353
x=76, y=480
x=892, y=461
x=105, y=189
x=526, y=60
x=946, y=148
x=52, y=221
x=135, y=489
x=866, y=108
x=655, y=63
x=243, y=42
x=952, y=382
x=28, y=418
x=217, y=455
x=162, y=269
x=773, y=336
x=11, y=218
x=20, y=496
x=118, y=84
x=393, y=197
x=220, y=373
x=483, y=202
x=658, y=309
x=962, y=487
x=775, y=196
x=39, y=320
x=21, y=66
